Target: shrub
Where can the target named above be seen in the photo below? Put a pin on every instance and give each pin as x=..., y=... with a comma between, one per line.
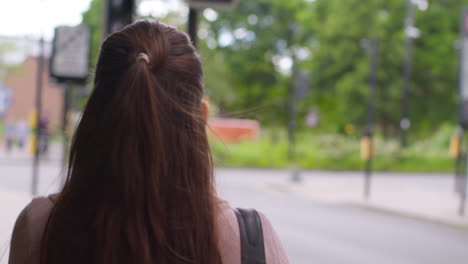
x=335, y=152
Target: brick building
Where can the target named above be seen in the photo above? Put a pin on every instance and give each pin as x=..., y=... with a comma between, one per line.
x=22, y=82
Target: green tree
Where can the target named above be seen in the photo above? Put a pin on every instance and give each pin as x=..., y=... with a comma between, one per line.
x=340, y=66
x=340, y=63
x=93, y=17
x=434, y=84
x=247, y=45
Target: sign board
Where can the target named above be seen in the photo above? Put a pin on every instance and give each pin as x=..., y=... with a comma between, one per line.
x=70, y=54
x=213, y=3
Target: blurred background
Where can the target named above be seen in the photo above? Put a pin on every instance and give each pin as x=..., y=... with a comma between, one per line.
x=342, y=120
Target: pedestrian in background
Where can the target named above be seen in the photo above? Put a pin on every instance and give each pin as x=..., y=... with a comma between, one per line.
x=22, y=132
x=140, y=177
x=44, y=135
x=10, y=136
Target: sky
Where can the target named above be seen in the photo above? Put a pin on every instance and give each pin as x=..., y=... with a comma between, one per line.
x=36, y=17
x=31, y=17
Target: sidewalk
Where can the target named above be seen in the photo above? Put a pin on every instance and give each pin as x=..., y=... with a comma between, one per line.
x=419, y=202
x=15, y=169
x=21, y=155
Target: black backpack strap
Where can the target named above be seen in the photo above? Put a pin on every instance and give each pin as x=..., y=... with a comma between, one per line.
x=251, y=236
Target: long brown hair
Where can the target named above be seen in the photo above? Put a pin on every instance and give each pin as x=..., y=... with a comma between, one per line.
x=140, y=181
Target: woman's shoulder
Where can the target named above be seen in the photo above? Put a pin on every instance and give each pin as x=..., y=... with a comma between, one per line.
x=38, y=208
x=230, y=238
x=28, y=230
x=35, y=214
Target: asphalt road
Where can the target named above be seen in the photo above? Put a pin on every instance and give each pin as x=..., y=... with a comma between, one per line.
x=316, y=233
x=310, y=231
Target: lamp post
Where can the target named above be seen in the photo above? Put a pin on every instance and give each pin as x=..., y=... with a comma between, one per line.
x=411, y=33
x=372, y=47
x=117, y=14
x=38, y=112
x=38, y=102
x=192, y=25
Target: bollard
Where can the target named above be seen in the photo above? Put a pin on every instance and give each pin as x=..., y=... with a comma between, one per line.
x=367, y=148
x=296, y=175
x=367, y=152
x=455, y=147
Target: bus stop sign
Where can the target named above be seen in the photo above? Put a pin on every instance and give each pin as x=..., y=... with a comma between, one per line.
x=70, y=54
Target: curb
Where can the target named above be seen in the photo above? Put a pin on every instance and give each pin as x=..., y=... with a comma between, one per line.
x=409, y=215
x=279, y=188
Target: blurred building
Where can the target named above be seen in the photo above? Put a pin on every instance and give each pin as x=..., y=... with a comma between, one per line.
x=21, y=81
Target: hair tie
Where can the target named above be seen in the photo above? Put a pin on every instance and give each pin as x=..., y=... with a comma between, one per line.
x=143, y=56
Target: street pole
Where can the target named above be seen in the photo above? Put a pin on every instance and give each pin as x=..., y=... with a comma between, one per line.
x=373, y=57
x=39, y=81
x=192, y=25
x=292, y=99
x=65, y=121
x=409, y=25
x=291, y=121
x=295, y=88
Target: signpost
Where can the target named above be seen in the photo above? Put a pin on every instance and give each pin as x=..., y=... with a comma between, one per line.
x=38, y=102
x=297, y=91
x=69, y=65
x=367, y=146
x=70, y=54
x=411, y=33
x=192, y=25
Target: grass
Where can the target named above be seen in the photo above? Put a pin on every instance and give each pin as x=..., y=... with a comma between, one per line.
x=335, y=152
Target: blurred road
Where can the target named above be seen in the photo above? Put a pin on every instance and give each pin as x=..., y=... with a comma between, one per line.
x=312, y=232
x=317, y=233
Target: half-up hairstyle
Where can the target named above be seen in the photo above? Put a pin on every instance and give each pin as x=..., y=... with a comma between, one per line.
x=139, y=187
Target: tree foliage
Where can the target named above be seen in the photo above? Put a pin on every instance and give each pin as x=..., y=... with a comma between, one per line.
x=340, y=66
x=334, y=31
x=340, y=62
x=93, y=17
x=255, y=43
